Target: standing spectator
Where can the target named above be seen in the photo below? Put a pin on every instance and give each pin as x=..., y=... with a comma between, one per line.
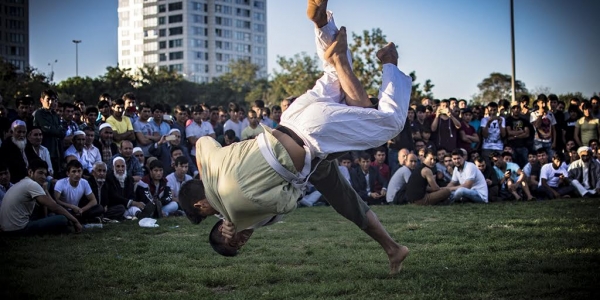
x=68, y=124
x=91, y=114
x=276, y=115
x=467, y=181
x=198, y=129
x=181, y=117
x=595, y=102
x=517, y=130
x=20, y=200
x=214, y=121
x=476, y=120
x=233, y=123
x=145, y=133
x=22, y=105
x=493, y=129
x=554, y=179
x=130, y=107
x=104, y=107
x=253, y=129
x=468, y=135
x=571, y=123
x=49, y=122
x=421, y=187
x=445, y=126
x=543, y=122
x=122, y=127
x=157, y=122
x=524, y=106
x=587, y=127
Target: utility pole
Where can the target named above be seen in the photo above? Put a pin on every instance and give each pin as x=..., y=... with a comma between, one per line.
x=77, y=56
x=512, y=43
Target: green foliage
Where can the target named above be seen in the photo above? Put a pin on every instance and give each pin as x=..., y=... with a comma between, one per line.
x=568, y=96
x=14, y=84
x=298, y=74
x=533, y=250
x=366, y=66
x=419, y=93
x=497, y=86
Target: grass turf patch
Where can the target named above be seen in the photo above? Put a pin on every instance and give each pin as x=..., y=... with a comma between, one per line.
x=542, y=250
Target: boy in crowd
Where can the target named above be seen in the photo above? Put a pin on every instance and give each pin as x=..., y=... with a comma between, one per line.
x=160, y=191
x=176, y=179
x=69, y=192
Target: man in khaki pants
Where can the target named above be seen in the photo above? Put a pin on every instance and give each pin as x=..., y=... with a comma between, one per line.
x=251, y=183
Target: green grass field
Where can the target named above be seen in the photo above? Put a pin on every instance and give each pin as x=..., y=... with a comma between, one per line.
x=541, y=250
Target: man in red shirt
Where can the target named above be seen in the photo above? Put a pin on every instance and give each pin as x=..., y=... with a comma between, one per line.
x=380, y=164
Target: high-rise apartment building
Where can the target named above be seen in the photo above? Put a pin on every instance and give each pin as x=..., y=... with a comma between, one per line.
x=14, y=32
x=197, y=38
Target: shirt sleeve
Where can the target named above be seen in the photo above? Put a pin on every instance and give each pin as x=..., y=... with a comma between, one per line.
x=470, y=172
x=137, y=127
x=35, y=190
x=544, y=173
x=503, y=125
x=455, y=175
x=188, y=131
x=59, y=187
x=483, y=122
x=128, y=121
x=87, y=189
x=211, y=130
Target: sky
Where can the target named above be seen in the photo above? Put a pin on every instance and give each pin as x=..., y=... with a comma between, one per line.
x=454, y=43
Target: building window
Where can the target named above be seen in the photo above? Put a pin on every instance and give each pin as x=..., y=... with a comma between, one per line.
x=16, y=37
x=244, y=2
x=227, y=9
x=162, y=57
x=175, y=6
x=259, y=16
x=175, y=19
x=125, y=53
x=243, y=36
x=175, y=43
x=259, y=39
x=161, y=20
x=162, y=32
x=177, y=67
x=162, y=8
x=240, y=12
x=259, y=27
x=259, y=4
x=176, y=55
x=162, y=45
x=218, y=8
x=219, y=68
x=175, y=31
x=242, y=24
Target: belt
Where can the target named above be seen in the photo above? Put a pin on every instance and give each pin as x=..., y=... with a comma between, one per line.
x=291, y=134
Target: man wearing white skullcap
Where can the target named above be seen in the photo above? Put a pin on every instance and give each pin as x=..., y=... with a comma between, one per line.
x=105, y=143
x=13, y=151
x=584, y=173
x=77, y=149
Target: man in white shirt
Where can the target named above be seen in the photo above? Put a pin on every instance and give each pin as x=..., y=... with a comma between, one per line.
x=543, y=122
x=468, y=183
x=176, y=179
x=77, y=150
x=198, y=128
x=330, y=118
x=91, y=153
x=233, y=123
x=34, y=148
x=69, y=192
x=20, y=200
x=554, y=178
x=493, y=129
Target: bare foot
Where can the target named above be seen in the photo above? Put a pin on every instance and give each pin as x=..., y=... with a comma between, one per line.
x=338, y=49
x=396, y=258
x=388, y=54
x=317, y=12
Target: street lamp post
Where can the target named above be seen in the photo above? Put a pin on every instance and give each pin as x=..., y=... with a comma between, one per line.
x=51, y=64
x=512, y=43
x=76, y=57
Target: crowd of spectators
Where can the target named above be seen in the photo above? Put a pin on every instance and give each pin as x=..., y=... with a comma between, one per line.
x=123, y=159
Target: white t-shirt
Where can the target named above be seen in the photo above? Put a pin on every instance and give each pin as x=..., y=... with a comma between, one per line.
x=18, y=204
x=71, y=194
x=494, y=139
x=175, y=184
x=236, y=127
x=195, y=130
x=470, y=172
x=398, y=180
x=551, y=175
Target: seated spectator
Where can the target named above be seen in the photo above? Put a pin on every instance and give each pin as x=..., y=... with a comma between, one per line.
x=468, y=183
x=121, y=195
x=253, y=128
x=584, y=173
x=396, y=187
x=228, y=138
x=311, y=197
x=34, y=149
x=534, y=178
x=531, y=161
x=138, y=153
x=491, y=179
x=365, y=178
x=574, y=156
x=181, y=117
x=444, y=171
x=77, y=149
x=379, y=163
x=511, y=178
x=421, y=187
x=179, y=176
x=587, y=128
x=14, y=148
x=20, y=201
x=159, y=189
x=105, y=143
x=169, y=148
x=426, y=136
x=69, y=192
x=439, y=165
x=554, y=179
x=133, y=165
x=91, y=152
x=98, y=185
x=5, y=183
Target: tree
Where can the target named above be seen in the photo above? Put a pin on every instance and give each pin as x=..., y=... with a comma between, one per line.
x=116, y=82
x=497, y=86
x=241, y=78
x=84, y=88
x=419, y=93
x=364, y=61
x=14, y=84
x=160, y=85
x=298, y=74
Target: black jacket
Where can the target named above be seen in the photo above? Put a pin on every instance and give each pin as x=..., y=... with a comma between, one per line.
x=359, y=183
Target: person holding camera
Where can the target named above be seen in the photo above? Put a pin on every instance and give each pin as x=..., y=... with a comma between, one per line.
x=512, y=180
x=554, y=178
x=446, y=127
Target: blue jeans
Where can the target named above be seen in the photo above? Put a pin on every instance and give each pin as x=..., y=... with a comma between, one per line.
x=537, y=144
x=55, y=224
x=520, y=156
x=169, y=208
x=466, y=193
